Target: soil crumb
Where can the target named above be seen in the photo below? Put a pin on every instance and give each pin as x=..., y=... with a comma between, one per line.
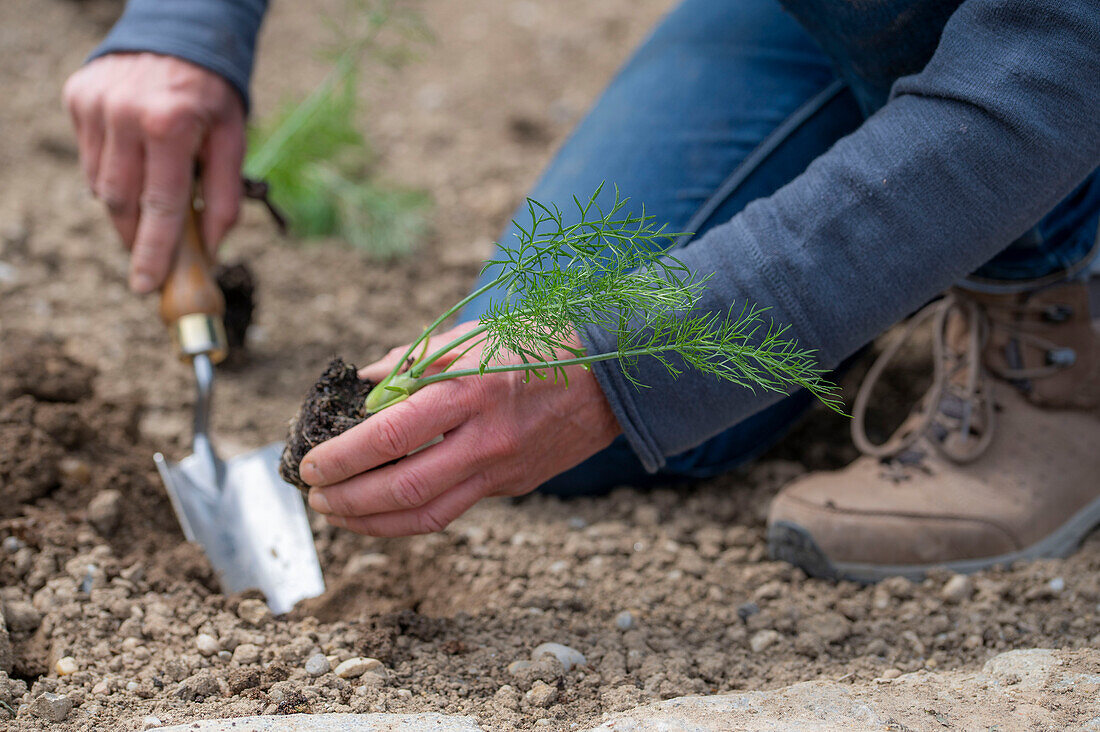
x=333, y=406
x=238, y=286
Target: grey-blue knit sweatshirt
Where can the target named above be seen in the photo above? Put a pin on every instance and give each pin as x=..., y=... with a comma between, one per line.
x=963, y=155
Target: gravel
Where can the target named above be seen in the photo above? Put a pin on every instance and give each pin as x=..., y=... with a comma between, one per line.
x=317, y=665
x=51, y=707
x=355, y=667
x=567, y=657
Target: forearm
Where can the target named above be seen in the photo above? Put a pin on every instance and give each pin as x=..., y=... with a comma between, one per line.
x=1002, y=123
x=219, y=35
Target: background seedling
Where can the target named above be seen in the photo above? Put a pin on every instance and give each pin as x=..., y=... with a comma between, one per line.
x=320, y=167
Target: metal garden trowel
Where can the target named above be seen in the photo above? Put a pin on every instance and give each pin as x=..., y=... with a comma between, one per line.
x=251, y=524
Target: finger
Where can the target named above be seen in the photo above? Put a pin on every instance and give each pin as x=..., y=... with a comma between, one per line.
x=388, y=435
x=222, y=155
x=169, y=164
x=429, y=518
x=120, y=176
x=381, y=368
x=411, y=482
x=87, y=117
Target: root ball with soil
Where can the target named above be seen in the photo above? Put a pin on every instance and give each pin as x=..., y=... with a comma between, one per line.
x=334, y=404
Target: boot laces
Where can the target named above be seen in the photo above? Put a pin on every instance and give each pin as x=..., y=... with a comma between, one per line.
x=956, y=413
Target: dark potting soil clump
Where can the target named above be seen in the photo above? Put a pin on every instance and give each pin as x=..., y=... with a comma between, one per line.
x=333, y=406
x=238, y=286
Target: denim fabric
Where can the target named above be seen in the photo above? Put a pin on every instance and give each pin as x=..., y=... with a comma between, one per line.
x=722, y=105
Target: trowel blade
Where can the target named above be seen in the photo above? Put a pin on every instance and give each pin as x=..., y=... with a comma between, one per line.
x=254, y=528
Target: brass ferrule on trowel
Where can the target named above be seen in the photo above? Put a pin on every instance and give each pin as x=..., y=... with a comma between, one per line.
x=191, y=303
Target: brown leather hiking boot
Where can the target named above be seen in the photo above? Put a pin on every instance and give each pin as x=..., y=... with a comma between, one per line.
x=1000, y=461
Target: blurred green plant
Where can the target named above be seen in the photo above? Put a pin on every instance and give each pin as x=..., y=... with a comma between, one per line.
x=319, y=165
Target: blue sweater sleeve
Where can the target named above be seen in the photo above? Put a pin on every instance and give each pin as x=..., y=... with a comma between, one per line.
x=1001, y=124
x=219, y=35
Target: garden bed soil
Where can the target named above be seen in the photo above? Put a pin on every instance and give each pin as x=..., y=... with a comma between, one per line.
x=665, y=592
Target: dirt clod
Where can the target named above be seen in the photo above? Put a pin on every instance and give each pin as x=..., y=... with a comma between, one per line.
x=238, y=285
x=333, y=405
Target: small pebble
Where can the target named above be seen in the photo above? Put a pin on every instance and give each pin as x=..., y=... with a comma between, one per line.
x=891, y=673
x=207, y=644
x=21, y=616
x=51, y=707
x=11, y=544
x=541, y=694
x=105, y=511
x=246, y=653
x=353, y=668
x=66, y=666
x=624, y=620
x=518, y=667
x=1057, y=584
x=763, y=640
x=957, y=589
x=567, y=657
x=746, y=610
x=363, y=563
x=151, y=723
x=253, y=612
x=317, y=664
x=132, y=686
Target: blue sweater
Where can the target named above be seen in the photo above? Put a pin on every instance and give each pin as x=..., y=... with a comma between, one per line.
x=984, y=114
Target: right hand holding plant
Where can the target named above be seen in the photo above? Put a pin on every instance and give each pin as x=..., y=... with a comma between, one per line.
x=142, y=120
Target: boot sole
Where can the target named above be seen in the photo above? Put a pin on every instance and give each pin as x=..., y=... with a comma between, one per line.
x=789, y=542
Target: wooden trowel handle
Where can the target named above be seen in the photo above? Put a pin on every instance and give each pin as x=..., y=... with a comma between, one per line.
x=191, y=303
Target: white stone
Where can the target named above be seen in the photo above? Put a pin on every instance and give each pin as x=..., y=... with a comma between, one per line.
x=567, y=657
x=151, y=722
x=763, y=640
x=317, y=665
x=66, y=666
x=353, y=668
x=246, y=653
x=624, y=620
x=957, y=589
x=963, y=698
x=207, y=644
x=427, y=722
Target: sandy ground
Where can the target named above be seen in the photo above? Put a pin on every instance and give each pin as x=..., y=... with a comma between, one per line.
x=448, y=616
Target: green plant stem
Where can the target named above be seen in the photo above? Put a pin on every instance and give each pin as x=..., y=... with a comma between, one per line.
x=436, y=323
x=427, y=361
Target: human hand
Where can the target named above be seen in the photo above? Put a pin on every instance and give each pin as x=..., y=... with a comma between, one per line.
x=503, y=437
x=142, y=120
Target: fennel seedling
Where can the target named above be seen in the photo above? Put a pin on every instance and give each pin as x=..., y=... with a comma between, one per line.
x=610, y=270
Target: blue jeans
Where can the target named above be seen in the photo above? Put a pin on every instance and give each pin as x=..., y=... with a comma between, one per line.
x=723, y=104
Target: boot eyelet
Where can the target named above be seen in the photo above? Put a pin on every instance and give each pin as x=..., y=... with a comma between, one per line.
x=1058, y=313
x=1061, y=357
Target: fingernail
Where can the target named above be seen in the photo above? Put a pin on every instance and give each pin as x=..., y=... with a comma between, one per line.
x=141, y=283
x=318, y=502
x=310, y=473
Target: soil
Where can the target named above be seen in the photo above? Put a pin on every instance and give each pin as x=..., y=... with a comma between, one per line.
x=334, y=404
x=238, y=286
x=663, y=592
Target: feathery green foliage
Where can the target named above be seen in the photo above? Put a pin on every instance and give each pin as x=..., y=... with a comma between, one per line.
x=611, y=270
x=319, y=166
